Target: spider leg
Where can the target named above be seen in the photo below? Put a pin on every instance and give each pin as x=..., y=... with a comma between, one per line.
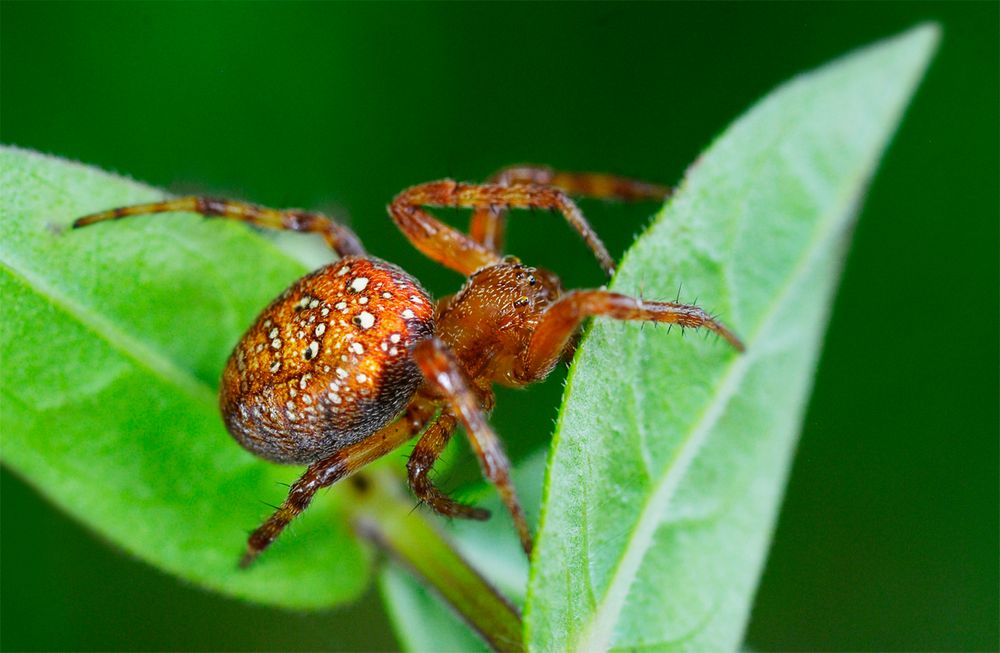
x=488, y=225
x=340, y=239
x=326, y=472
x=562, y=318
x=428, y=449
x=461, y=253
x=446, y=377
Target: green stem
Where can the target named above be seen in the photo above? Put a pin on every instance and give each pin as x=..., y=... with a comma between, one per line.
x=387, y=519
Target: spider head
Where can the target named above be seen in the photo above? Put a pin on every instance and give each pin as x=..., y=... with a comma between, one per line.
x=511, y=291
x=490, y=320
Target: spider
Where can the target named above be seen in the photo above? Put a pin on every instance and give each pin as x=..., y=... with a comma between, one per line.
x=355, y=359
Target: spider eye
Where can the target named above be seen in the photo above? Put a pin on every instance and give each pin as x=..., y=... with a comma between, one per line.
x=532, y=280
x=520, y=303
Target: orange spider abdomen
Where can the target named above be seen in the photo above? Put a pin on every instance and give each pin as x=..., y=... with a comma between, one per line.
x=328, y=362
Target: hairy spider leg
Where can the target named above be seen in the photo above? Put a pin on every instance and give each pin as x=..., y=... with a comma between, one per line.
x=332, y=469
x=455, y=250
x=444, y=374
x=340, y=239
x=488, y=225
x=425, y=453
x=562, y=318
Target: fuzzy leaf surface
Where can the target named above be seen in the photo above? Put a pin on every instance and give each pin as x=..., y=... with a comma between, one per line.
x=671, y=453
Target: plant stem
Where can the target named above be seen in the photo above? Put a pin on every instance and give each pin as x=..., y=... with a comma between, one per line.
x=382, y=515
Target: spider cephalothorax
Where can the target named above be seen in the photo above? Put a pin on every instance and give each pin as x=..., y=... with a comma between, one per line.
x=355, y=358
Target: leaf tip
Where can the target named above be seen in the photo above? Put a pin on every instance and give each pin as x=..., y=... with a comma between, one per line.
x=922, y=40
x=928, y=32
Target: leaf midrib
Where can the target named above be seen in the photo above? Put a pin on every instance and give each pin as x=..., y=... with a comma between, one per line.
x=596, y=635
x=144, y=355
x=140, y=353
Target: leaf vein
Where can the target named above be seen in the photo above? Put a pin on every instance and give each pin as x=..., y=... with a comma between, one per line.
x=597, y=635
x=131, y=347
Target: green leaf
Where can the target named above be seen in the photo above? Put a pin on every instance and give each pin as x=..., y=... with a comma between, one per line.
x=671, y=453
x=113, y=341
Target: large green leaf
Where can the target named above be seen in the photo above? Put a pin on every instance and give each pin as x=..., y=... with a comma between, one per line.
x=113, y=341
x=671, y=453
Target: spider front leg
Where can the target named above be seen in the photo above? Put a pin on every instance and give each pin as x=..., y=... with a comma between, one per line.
x=488, y=225
x=462, y=253
x=340, y=239
x=562, y=318
x=446, y=377
x=425, y=453
x=324, y=473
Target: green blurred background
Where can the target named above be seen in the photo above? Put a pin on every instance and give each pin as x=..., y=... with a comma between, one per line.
x=888, y=538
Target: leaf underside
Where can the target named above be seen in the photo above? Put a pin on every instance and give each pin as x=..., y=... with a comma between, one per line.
x=671, y=453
